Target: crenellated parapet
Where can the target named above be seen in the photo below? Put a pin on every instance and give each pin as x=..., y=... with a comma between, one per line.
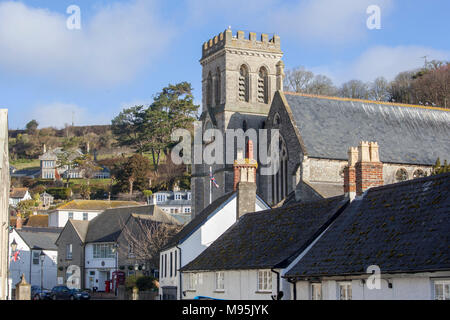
x=240, y=40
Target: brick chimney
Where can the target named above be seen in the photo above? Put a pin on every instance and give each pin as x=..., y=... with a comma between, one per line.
x=245, y=182
x=364, y=169
x=19, y=221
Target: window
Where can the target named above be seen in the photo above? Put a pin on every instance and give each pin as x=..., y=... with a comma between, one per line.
x=345, y=291
x=70, y=215
x=192, y=285
x=401, y=175
x=103, y=250
x=220, y=277
x=316, y=291
x=244, y=84
x=178, y=196
x=187, y=210
x=264, y=281
x=165, y=265
x=263, y=94
x=171, y=264
x=175, y=264
x=418, y=173
x=85, y=216
x=209, y=88
x=36, y=257
x=280, y=179
x=189, y=196
x=160, y=197
x=69, y=252
x=218, y=86
x=442, y=290
x=130, y=250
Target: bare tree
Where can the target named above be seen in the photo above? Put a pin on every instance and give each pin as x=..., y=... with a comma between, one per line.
x=322, y=85
x=146, y=237
x=379, y=90
x=355, y=89
x=298, y=79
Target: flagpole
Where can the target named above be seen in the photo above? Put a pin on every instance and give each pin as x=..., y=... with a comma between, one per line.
x=210, y=184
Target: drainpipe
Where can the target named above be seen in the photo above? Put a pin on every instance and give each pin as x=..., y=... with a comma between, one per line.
x=179, y=272
x=294, y=283
x=278, y=283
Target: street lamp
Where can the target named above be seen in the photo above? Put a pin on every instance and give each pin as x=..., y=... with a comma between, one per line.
x=42, y=258
x=14, y=246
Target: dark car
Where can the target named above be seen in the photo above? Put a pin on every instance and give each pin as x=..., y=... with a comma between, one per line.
x=61, y=293
x=80, y=295
x=38, y=294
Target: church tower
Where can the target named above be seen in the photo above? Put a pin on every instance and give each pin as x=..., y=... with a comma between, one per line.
x=240, y=74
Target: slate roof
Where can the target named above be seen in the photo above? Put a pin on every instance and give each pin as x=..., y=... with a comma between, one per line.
x=401, y=227
x=81, y=227
x=107, y=226
x=198, y=220
x=96, y=205
x=40, y=238
x=268, y=239
x=407, y=134
x=18, y=193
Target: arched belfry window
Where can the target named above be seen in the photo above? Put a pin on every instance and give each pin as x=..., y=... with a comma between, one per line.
x=218, y=86
x=244, y=84
x=280, y=179
x=209, y=90
x=263, y=90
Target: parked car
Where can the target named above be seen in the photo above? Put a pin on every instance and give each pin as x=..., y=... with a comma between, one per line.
x=38, y=294
x=80, y=295
x=61, y=293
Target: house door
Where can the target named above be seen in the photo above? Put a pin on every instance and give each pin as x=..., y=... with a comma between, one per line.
x=102, y=277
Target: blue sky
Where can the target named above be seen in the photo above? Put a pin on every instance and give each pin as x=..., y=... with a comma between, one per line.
x=126, y=51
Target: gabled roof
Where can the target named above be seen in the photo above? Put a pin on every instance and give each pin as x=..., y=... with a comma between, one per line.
x=268, y=239
x=40, y=238
x=198, y=220
x=81, y=227
x=409, y=134
x=107, y=226
x=401, y=227
x=18, y=193
x=96, y=205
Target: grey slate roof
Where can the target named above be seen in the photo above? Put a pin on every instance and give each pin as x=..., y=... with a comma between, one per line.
x=40, y=238
x=81, y=227
x=406, y=134
x=107, y=226
x=198, y=220
x=268, y=239
x=401, y=227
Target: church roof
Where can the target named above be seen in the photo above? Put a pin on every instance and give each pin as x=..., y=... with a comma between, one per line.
x=408, y=134
x=270, y=238
x=402, y=227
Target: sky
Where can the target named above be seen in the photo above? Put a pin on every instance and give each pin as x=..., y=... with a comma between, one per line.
x=126, y=51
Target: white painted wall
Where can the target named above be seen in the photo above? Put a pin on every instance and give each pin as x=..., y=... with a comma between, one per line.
x=103, y=268
x=239, y=285
x=202, y=238
x=404, y=287
x=59, y=218
x=25, y=264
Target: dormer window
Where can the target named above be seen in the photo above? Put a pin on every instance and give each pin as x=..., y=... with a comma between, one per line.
x=178, y=196
x=244, y=84
x=263, y=92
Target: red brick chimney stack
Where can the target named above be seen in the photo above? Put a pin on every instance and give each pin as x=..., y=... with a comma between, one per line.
x=19, y=221
x=364, y=169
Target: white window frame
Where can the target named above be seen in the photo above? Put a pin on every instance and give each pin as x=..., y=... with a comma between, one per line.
x=316, y=291
x=187, y=210
x=347, y=285
x=264, y=281
x=220, y=281
x=85, y=216
x=69, y=251
x=444, y=284
x=192, y=282
x=70, y=215
x=36, y=257
x=103, y=251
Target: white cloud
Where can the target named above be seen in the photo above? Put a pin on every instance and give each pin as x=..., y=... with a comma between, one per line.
x=328, y=21
x=111, y=48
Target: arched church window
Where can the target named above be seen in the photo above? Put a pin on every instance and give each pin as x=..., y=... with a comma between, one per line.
x=263, y=91
x=244, y=125
x=277, y=119
x=218, y=86
x=244, y=84
x=419, y=173
x=209, y=90
x=280, y=179
x=401, y=175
